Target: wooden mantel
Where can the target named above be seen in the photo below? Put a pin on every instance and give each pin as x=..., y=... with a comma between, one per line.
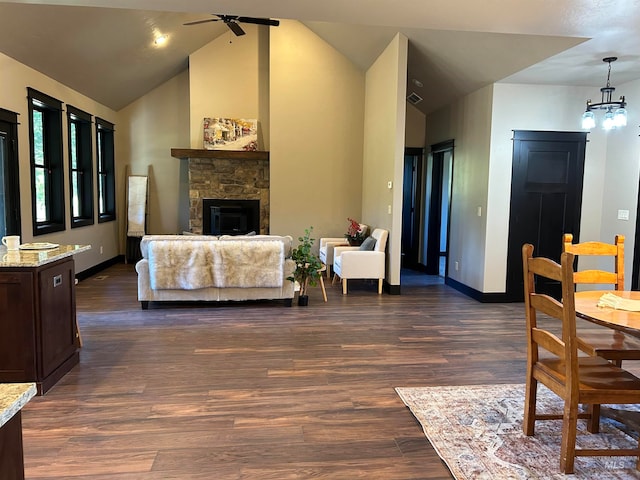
x=223, y=154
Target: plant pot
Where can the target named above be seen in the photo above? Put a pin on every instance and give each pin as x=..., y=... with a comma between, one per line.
x=354, y=242
x=303, y=300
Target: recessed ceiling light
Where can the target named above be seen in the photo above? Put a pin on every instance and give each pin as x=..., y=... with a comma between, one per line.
x=417, y=82
x=161, y=40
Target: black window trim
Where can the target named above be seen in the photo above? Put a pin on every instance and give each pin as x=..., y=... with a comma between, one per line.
x=54, y=162
x=85, y=166
x=12, y=178
x=106, y=152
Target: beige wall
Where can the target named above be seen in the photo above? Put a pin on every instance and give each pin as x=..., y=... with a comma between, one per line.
x=317, y=107
x=151, y=126
x=14, y=78
x=415, y=127
x=384, y=148
x=225, y=82
x=468, y=122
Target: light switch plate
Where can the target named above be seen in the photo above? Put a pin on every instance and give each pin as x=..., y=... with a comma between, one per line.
x=623, y=214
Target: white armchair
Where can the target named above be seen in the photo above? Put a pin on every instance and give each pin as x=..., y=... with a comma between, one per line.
x=353, y=262
x=328, y=244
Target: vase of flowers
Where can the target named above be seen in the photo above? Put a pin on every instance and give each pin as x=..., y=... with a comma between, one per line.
x=355, y=236
x=308, y=266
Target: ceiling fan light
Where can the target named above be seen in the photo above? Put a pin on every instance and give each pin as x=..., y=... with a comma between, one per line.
x=620, y=117
x=588, y=120
x=608, y=122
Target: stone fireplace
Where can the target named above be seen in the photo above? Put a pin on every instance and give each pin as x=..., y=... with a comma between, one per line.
x=225, y=175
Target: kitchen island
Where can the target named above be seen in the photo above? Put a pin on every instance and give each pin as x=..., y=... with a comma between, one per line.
x=13, y=397
x=39, y=339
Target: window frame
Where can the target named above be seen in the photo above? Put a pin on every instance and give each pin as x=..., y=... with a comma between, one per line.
x=11, y=175
x=52, y=162
x=105, y=170
x=80, y=121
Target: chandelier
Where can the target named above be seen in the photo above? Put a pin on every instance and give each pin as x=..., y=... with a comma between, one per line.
x=615, y=112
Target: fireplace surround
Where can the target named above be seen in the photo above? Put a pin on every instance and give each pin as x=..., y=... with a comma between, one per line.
x=226, y=175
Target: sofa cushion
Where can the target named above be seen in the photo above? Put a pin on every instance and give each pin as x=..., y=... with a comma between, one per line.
x=286, y=240
x=144, y=243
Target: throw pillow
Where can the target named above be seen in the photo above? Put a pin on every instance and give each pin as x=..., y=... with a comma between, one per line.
x=369, y=243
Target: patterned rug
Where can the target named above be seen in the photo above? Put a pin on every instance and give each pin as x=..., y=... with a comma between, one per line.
x=477, y=431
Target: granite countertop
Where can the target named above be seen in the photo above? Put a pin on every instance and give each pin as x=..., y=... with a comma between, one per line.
x=14, y=396
x=36, y=258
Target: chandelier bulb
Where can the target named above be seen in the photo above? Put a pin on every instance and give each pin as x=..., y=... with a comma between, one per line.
x=608, y=123
x=620, y=117
x=588, y=120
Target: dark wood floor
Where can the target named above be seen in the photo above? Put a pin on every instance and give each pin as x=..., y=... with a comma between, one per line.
x=261, y=391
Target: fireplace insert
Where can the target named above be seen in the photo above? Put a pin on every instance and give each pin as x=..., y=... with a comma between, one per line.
x=230, y=217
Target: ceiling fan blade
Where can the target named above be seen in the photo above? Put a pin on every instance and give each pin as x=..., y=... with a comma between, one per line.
x=235, y=28
x=259, y=21
x=202, y=21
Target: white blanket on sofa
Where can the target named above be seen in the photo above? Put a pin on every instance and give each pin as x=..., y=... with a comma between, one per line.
x=183, y=264
x=248, y=264
x=190, y=265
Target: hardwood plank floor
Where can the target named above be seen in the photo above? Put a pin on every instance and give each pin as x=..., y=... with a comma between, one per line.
x=260, y=391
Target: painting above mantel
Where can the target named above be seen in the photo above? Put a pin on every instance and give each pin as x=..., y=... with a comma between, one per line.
x=230, y=133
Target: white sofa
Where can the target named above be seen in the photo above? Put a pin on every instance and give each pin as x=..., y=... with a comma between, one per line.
x=208, y=268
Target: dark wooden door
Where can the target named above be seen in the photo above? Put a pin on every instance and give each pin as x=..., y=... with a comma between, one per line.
x=411, y=200
x=546, y=197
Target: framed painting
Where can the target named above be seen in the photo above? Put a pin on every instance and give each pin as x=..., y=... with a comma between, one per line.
x=230, y=133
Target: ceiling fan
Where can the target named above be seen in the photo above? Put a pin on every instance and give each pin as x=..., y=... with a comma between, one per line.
x=233, y=22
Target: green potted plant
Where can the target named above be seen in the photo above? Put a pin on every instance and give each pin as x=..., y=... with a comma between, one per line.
x=308, y=266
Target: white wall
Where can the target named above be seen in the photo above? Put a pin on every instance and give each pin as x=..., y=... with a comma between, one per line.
x=620, y=189
x=15, y=78
x=484, y=179
x=537, y=107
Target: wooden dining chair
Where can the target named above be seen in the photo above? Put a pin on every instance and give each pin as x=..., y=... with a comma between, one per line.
x=555, y=362
x=608, y=343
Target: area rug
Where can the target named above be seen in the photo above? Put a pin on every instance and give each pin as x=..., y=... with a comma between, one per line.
x=477, y=431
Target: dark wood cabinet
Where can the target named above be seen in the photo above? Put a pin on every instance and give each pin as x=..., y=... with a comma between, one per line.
x=38, y=335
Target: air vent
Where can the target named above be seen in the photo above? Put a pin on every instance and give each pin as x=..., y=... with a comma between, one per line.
x=414, y=98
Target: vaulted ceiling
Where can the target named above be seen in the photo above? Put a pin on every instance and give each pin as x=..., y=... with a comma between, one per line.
x=104, y=48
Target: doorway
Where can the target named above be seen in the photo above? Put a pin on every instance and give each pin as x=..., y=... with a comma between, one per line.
x=439, y=205
x=411, y=207
x=9, y=192
x=425, y=214
x=546, y=199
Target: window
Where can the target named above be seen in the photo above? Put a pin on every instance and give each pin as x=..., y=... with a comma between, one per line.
x=9, y=194
x=80, y=167
x=106, y=171
x=47, y=182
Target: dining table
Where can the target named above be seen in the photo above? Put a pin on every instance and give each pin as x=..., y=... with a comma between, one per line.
x=586, y=303
x=628, y=321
